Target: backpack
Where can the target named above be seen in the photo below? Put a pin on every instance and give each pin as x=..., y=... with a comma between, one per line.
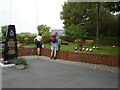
x=53, y=38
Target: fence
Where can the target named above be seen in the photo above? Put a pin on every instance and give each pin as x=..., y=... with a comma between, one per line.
x=108, y=60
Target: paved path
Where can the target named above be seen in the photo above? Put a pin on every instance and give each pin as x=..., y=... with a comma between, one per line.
x=51, y=74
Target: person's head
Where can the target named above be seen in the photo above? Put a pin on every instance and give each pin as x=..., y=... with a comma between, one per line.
x=40, y=34
x=56, y=33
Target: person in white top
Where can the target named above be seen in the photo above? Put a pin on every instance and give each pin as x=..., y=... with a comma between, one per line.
x=38, y=40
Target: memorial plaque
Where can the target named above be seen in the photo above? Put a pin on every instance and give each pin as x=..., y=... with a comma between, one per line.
x=10, y=50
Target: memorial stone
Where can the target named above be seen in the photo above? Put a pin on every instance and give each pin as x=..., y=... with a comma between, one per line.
x=10, y=50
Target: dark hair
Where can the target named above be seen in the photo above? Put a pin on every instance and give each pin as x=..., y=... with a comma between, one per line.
x=40, y=34
x=56, y=33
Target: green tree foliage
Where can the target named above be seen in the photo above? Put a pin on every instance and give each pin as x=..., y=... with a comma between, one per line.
x=118, y=24
x=76, y=13
x=84, y=14
x=45, y=30
x=113, y=6
x=76, y=31
x=4, y=29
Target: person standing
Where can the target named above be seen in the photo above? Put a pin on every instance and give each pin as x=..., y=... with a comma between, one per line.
x=54, y=45
x=38, y=41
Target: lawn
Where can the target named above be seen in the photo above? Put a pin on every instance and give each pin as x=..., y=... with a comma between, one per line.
x=108, y=50
x=30, y=46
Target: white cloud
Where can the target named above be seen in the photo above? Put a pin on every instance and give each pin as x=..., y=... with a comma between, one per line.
x=24, y=14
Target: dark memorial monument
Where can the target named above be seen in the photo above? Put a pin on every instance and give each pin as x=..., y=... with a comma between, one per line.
x=10, y=50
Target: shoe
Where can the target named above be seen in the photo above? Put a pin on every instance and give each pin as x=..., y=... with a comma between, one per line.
x=39, y=54
x=54, y=58
x=51, y=57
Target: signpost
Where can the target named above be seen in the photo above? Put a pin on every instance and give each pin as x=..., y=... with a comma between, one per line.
x=10, y=49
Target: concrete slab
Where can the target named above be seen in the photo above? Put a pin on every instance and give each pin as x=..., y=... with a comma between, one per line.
x=51, y=74
x=6, y=66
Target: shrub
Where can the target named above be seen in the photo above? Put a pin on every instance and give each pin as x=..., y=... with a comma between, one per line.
x=22, y=38
x=67, y=38
x=64, y=42
x=0, y=38
x=78, y=41
x=104, y=39
x=20, y=61
x=111, y=39
x=46, y=38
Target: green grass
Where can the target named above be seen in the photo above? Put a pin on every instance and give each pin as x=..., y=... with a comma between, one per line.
x=1, y=48
x=30, y=46
x=108, y=50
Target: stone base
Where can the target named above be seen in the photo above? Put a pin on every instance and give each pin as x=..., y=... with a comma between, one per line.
x=6, y=65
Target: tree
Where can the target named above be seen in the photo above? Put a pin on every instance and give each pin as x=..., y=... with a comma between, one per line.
x=112, y=6
x=4, y=29
x=45, y=30
x=82, y=13
x=85, y=14
x=77, y=32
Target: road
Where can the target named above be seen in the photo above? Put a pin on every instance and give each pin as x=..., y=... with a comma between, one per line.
x=49, y=74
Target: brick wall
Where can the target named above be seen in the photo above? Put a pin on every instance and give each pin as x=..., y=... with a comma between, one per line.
x=108, y=60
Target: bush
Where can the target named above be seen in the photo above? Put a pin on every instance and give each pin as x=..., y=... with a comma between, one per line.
x=0, y=38
x=20, y=61
x=67, y=38
x=46, y=38
x=78, y=41
x=104, y=39
x=111, y=39
x=91, y=38
x=64, y=42
x=22, y=38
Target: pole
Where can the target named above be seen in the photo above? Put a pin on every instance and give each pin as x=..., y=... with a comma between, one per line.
x=97, y=22
x=10, y=11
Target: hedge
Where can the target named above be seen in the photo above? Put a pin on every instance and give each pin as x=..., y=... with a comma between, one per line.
x=104, y=39
x=31, y=38
x=67, y=38
x=22, y=38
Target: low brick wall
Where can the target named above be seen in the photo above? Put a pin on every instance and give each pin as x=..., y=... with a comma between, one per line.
x=45, y=52
x=108, y=60
x=27, y=51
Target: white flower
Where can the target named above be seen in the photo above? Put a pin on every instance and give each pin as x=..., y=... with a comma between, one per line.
x=42, y=46
x=86, y=49
x=75, y=47
x=83, y=49
x=113, y=46
x=90, y=49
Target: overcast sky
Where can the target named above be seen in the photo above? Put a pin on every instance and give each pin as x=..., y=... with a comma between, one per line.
x=27, y=14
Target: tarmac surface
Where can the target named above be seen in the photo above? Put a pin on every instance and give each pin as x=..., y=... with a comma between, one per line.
x=42, y=73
